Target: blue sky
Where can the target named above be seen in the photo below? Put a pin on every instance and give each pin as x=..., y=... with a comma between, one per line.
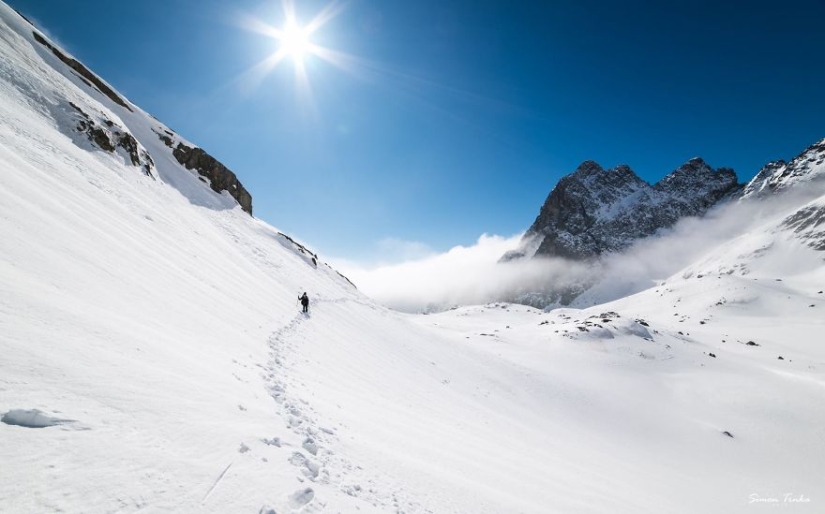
x=456, y=118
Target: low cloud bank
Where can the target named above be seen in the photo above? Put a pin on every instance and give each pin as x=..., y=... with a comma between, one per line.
x=464, y=275
x=656, y=258
x=473, y=275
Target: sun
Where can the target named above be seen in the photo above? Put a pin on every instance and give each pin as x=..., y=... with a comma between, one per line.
x=295, y=41
x=292, y=40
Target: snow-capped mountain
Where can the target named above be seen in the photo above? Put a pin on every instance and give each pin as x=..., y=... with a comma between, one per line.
x=154, y=358
x=806, y=169
x=594, y=211
x=596, y=215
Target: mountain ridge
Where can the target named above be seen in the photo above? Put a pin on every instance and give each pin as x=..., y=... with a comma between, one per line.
x=593, y=211
x=595, y=214
x=107, y=133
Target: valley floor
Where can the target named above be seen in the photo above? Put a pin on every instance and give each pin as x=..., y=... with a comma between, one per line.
x=499, y=408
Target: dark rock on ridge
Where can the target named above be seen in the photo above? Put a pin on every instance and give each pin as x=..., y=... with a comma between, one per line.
x=83, y=72
x=219, y=176
x=112, y=136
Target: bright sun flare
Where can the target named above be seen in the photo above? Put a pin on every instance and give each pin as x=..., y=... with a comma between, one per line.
x=295, y=41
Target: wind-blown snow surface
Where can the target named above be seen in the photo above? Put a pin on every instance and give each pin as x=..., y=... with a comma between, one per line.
x=153, y=358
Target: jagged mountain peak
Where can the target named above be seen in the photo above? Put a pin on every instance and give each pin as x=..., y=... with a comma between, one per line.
x=608, y=186
x=694, y=169
x=587, y=169
x=590, y=171
x=808, y=168
x=593, y=210
x=699, y=177
x=692, y=165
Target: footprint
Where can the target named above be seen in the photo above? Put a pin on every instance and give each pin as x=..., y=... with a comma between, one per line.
x=311, y=446
x=309, y=468
x=301, y=497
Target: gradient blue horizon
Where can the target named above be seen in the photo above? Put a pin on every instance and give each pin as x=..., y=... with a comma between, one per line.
x=459, y=117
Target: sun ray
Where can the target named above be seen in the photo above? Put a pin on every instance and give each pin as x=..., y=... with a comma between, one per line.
x=252, y=24
x=304, y=90
x=288, y=7
x=328, y=13
x=293, y=43
x=252, y=77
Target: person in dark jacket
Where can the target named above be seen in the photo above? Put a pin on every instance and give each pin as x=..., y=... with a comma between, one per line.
x=304, y=301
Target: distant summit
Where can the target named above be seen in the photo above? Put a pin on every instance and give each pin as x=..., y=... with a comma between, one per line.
x=594, y=211
x=775, y=177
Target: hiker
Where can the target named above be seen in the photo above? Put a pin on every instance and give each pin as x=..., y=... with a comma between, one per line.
x=304, y=301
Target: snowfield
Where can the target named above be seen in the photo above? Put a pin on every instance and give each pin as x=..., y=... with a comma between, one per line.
x=154, y=357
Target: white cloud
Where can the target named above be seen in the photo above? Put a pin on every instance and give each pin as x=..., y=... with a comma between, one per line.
x=692, y=239
x=460, y=276
x=473, y=275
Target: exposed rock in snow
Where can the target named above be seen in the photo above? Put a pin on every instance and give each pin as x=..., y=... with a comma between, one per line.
x=31, y=418
x=109, y=136
x=219, y=176
x=109, y=126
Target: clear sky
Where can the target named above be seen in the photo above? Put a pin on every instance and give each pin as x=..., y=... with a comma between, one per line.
x=449, y=119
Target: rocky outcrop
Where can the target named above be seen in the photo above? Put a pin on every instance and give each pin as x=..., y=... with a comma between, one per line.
x=219, y=176
x=109, y=137
x=87, y=76
x=594, y=211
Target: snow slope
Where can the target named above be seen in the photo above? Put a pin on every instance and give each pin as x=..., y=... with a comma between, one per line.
x=154, y=358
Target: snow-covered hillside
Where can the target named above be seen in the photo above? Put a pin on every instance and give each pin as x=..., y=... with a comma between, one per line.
x=154, y=357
